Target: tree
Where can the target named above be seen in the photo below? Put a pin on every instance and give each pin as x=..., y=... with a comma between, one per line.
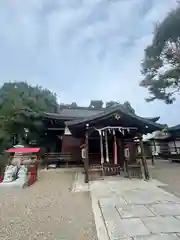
x=126, y=106
x=161, y=65
x=112, y=104
x=66, y=105
x=96, y=104
x=74, y=105
x=21, y=107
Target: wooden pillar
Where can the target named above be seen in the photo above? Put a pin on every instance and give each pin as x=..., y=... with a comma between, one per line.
x=86, y=160
x=106, y=145
x=154, y=144
x=144, y=162
x=119, y=150
x=101, y=149
x=175, y=146
x=126, y=159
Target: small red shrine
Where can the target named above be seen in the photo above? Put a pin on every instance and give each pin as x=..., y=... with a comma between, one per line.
x=21, y=168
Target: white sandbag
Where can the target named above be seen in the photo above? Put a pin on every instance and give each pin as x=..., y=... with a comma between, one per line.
x=10, y=172
x=22, y=173
x=20, y=182
x=22, y=177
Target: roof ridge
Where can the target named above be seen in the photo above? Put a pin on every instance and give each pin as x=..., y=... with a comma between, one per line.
x=79, y=107
x=110, y=111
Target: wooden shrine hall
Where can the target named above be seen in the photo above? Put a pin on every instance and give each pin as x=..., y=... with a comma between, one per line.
x=112, y=142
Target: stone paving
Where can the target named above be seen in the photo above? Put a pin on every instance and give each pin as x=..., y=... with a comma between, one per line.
x=136, y=209
x=167, y=173
x=139, y=217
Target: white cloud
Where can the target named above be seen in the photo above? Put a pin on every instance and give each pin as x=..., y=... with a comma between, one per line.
x=82, y=49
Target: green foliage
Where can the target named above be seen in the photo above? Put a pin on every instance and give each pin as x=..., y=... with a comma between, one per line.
x=3, y=160
x=72, y=105
x=112, y=104
x=21, y=106
x=96, y=104
x=126, y=106
x=161, y=65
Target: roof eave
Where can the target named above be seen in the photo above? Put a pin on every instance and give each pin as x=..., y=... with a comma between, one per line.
x=154, y=126
x=155, y=119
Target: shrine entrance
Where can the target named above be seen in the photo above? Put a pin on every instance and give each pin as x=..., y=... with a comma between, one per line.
x=111, y=141
x=112, y=150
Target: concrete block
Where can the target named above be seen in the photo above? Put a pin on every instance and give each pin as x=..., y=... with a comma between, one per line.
x=165, y=209
x=134, y=211
x=162, y=224
x=158, y=237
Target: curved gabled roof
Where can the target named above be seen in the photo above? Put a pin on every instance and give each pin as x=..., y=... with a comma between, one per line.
x=73, y=113
x=174, y=128
x=109, y=112
x=155, y=119
x=81, y=112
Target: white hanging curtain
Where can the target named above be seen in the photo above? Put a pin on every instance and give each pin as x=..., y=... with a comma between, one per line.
x=115, y=148
x=106, y=145
x=67, y=131
x=101, y=146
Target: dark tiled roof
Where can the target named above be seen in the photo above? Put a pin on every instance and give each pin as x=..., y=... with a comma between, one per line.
x=112, y=111
x=174, y=128
x=73, y=113
x=81, y=113
x=155, y=119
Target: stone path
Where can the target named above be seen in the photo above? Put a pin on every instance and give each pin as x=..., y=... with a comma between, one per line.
x=134, y=209
x=131, y=215
x=79, y=185
x=169, y=174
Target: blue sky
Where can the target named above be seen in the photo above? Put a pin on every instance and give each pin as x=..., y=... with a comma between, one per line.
x=83, y=49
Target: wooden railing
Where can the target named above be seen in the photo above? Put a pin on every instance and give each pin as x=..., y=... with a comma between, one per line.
x=98, y=171
x=60, y=159
x=111, y=169
x=134, y=171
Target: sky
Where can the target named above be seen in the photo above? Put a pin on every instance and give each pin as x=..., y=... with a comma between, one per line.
x=83, y=49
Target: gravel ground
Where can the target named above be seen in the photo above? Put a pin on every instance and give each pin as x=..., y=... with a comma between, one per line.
x=47, y=210
x=168, y=173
